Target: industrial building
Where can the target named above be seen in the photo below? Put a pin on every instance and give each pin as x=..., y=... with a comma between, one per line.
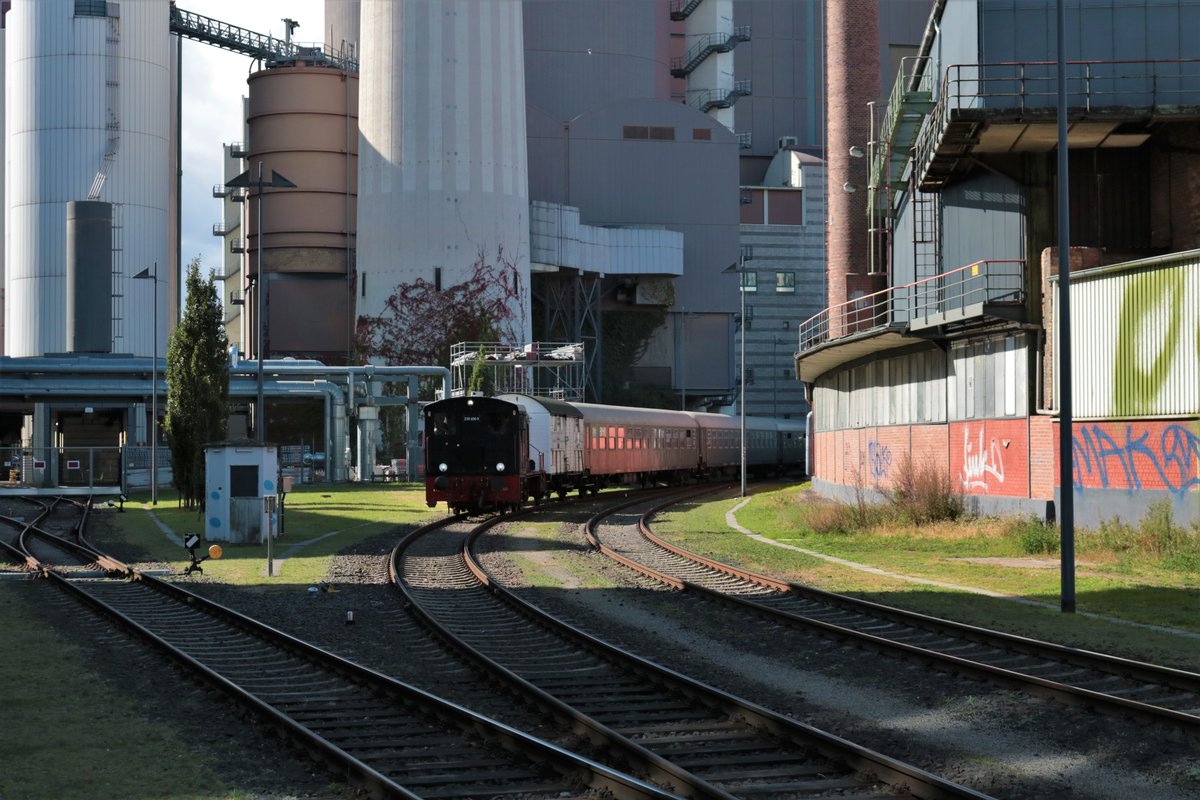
x=633, y=164
x=939, y=345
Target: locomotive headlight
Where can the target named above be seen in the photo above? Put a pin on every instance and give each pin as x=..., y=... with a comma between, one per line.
x=500, y=467
x=442, y=467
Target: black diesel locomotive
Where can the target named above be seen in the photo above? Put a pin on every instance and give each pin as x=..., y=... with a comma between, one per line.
x=495, y=453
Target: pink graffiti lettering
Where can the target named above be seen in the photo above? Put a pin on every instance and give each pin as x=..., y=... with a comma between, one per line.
x=979, y=462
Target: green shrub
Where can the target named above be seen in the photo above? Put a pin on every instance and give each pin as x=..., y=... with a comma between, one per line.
x=1035, y=537
x=1156, y=537
x=1159, y=536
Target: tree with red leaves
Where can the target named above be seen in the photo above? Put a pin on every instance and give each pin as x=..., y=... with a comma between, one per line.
x=420, y=322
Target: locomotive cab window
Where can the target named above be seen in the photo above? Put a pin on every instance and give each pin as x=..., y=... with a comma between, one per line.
x=443, y=424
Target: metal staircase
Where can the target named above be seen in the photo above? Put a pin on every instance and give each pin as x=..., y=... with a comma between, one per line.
x=908, y=105
x=682, y=9
x=708, y=99
x=706, y=45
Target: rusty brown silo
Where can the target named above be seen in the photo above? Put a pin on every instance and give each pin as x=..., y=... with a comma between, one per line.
x=303, y=125
x=852, y=81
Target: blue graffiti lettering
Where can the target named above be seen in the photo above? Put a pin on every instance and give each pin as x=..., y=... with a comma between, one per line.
x=1175, y=462
x=879, y=458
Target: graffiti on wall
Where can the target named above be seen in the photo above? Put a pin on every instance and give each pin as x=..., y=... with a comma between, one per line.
x=1170, y=460
x=1152, y=340
x=982, y=463
x=879, y=460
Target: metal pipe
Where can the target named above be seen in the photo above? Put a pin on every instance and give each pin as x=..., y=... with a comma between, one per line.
x=742, y=401
x=154, y=397
x=260, y=283
x=927, y=39
x=315, y=370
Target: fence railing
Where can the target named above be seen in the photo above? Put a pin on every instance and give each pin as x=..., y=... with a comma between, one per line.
x=984, y=282
x=32, y=467
x=1030, y=87
x=126, y=468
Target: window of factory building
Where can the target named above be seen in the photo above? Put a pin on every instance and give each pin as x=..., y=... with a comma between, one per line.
x=91, y=8
x=785, y=282
x=702, y=134
x=659, y=133
x=749, y=282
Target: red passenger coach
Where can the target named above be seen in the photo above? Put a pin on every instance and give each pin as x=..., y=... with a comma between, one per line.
x=494, y=453
x=476, y=454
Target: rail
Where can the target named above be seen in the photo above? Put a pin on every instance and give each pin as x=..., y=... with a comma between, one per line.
x=253, y=44
x=1030, y=88
x=955, y=292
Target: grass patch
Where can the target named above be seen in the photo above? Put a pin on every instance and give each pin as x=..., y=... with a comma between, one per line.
x=351, y=513
x=1137, y=574
x=68, y=734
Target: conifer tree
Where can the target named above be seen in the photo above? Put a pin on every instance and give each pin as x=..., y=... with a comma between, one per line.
x=197, y=385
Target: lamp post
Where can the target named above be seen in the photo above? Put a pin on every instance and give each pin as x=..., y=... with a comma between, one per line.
x=260, y=284
x=740, y=268
x=152, y=275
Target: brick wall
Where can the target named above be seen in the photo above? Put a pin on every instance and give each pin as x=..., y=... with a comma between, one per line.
x=1018, y=459
x=930, y=445
x=990, y=457
x=1158, y=455
x=1043, y=457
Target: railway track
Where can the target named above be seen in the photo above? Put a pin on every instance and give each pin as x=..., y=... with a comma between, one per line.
x=702, y=741
x=390, y=737
x=1081, y=677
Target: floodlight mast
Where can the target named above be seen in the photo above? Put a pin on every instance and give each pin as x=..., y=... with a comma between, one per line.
x=260, y=285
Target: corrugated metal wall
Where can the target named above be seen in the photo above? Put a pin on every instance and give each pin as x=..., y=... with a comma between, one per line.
x=982, y=378
x=1017, y=31
x=1135, y=331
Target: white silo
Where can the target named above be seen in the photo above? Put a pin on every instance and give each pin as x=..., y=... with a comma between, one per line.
x=4, y=7
x=341, y=26
x=443, y=173
x=87, y=107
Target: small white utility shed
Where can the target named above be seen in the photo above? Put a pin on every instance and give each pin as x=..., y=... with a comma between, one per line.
x=240, y=490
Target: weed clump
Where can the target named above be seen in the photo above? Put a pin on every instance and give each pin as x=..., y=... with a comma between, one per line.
x=1157, y=537
x=922, y=493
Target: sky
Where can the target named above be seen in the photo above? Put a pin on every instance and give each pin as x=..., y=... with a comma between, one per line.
x=214, y=82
